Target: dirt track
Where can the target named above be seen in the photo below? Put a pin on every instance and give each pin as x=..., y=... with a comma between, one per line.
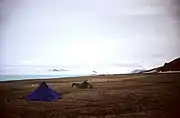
x=130, y=96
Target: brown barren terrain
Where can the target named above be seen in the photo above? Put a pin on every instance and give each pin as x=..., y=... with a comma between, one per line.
x=114, y=96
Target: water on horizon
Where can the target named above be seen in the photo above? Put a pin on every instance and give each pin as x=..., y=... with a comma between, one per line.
x=27, y=77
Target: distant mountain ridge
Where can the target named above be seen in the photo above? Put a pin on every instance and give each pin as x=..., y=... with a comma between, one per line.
x=173, y=65
x=137, y=71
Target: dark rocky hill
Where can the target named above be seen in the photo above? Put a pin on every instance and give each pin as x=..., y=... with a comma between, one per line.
x=173, y=65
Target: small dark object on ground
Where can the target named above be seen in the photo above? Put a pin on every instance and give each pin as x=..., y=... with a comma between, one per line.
x=83, y=85
x=7, y=100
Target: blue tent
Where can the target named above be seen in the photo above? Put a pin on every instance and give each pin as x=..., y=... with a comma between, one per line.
x=43, y=93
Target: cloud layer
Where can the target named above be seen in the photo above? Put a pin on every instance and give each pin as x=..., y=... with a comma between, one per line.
x=91, y=33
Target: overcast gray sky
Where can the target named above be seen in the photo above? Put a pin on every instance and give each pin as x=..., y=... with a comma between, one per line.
x=89, y=33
